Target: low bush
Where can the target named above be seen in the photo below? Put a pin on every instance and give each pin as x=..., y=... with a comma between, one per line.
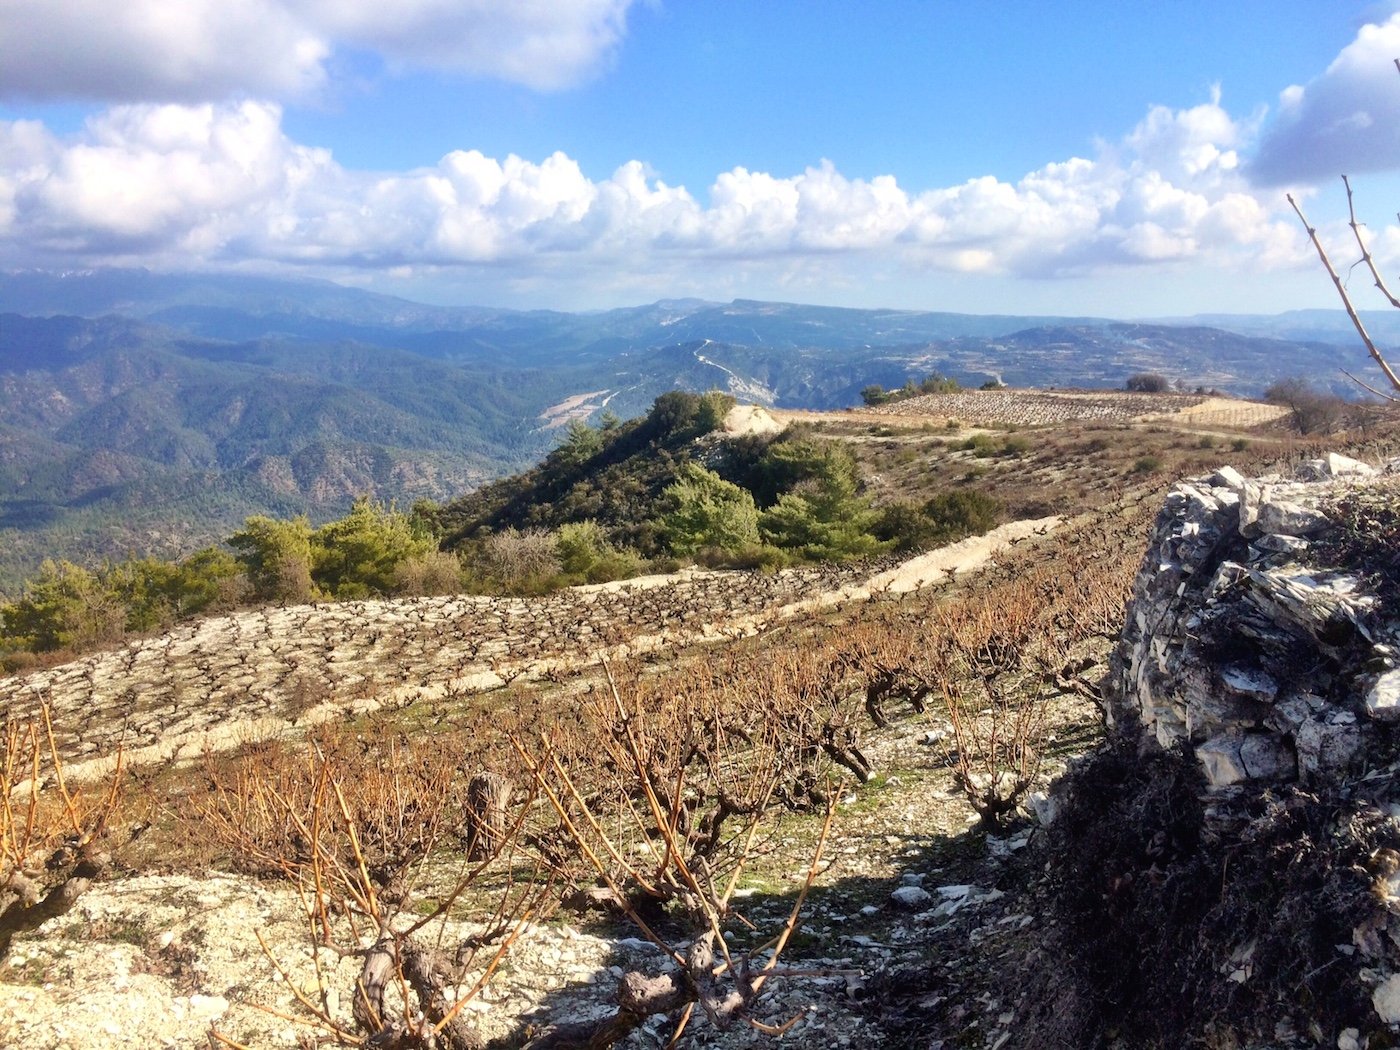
x=946, y=518
x=1314, y=410
x=1148, y=383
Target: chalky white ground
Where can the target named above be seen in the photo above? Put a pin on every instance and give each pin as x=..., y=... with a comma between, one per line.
x=155, y=960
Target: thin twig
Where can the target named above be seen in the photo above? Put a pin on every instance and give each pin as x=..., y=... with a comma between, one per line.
x=801, y=896
x=1371, y=347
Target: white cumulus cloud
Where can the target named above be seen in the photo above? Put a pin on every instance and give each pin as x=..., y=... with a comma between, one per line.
x=1346, y=120
x=224, y=184
x=150, y=178
x=139, y=50
x=214, y=50
x=544, y=44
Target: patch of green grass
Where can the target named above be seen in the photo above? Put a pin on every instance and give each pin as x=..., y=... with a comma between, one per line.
x=32, y=972
x=123, y=929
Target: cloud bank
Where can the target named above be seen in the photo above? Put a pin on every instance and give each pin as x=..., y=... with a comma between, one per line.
x=215, y=50
x=224, y=184
x=192, y=166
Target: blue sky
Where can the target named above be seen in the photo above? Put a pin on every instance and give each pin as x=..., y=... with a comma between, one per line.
x=1087, y=157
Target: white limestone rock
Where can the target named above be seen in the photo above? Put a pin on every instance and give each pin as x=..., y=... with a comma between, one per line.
x=1275, y=543
x=208, y=1007
x=1229, y=477
x=1286, y=518
x=1252, y=497
x=1383, y=698
x=911, y=898
x=1045, y=807
x=1290, y=713
x=1250, y=683
x=1386, y=999
x=1221, y=761
x=1334, y=465
x=1327, y=746
x=1256, y=655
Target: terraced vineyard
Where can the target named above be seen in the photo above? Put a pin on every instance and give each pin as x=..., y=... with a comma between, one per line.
x=219, y=682
x=192, y=937
x=1031, y=408
x=828, y=761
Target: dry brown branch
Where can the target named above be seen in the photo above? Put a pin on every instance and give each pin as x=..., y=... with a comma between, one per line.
x=997, y=747
x=1356, y=321
x=1366, y=386
x=701, y=794
x=1366, y=256
x=359, y=831
x=997, y=656
x=52, y=839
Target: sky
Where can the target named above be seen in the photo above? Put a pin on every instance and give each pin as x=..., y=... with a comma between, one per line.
x=1004, y=156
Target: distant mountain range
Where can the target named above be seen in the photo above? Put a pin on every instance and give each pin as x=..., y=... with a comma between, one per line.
x=152, y=412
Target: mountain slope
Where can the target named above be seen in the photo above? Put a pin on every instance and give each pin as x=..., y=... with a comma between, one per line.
x=271, y=395
x=118, y=430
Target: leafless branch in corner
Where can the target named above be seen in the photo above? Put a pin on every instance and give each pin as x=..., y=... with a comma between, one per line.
x=1356, y=321
x=1380, y=284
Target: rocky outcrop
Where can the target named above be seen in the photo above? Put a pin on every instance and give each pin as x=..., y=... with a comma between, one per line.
x=1226, y=871
x=1249, y=640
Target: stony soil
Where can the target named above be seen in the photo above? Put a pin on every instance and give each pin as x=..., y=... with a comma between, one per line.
x=223, y=681
x=155, y=959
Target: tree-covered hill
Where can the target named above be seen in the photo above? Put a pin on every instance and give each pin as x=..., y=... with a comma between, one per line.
x=614, y=474
x=651, y=493
x=172, y=406
x=666, y=486
x=118, y=437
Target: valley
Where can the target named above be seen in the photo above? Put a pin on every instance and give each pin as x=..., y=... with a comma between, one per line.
x=742, y=718
x=150, y=414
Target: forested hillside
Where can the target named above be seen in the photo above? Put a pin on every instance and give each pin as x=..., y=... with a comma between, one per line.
x=150, y=414
x=649, y=494
x=118, y=437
